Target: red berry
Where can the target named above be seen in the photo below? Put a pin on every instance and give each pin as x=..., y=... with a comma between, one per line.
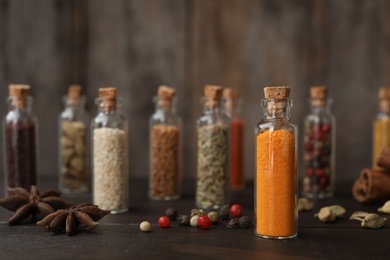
x=320, y=172
x=164, y=221
x=204, y=222
x=235, y=210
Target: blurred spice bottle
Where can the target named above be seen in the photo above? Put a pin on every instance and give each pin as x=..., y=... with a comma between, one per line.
x=212, y=182
x=165, y=148
x=320, y=150
x=20, y=134
x=232, y=106
x=381, y=128
x=276, y=167
x=73, y=148
x=109, y=154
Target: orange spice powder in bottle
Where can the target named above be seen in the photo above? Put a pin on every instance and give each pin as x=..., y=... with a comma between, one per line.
x=276, y=213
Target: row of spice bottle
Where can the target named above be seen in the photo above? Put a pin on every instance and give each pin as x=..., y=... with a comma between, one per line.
x=276, y=151
x=109, y=147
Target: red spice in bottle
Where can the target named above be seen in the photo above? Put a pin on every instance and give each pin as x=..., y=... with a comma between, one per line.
x=236, y=153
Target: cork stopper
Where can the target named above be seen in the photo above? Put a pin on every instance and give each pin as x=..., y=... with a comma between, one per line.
x=19, y=94
x=318, y=95
x=213, y=95
x=165, y=95
x=277, y=92
x=384, y=93
x=108, y=98
x=74, y=93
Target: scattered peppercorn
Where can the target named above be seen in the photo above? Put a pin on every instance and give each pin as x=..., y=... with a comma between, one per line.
x=235, y=210
x=183, y=220
x=224, y=213
x=244, y=222
x=197, y=212
x=204, y=222
x=214, y=217
x=171, y=213
x=194, y=221
x=145, y=226
x=233, y=223
x=164, y=221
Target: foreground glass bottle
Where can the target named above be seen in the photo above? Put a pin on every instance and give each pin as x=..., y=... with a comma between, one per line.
x=232, y=106
x=381, y=126
x=109, y=154
x=165, y=153
x=212, y=182
x=20, y=139
x=320, y=150
x=72, y=142
x=276, y=214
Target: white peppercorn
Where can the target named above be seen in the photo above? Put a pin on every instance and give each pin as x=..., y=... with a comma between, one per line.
x=145, y=226
x=194, y=221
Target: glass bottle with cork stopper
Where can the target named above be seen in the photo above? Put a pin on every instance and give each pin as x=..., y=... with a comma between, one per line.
x=381, y=127
x=276, y=167
x=109, y=154
x=232, y=107
x=73, y=158
x=212, y=182
x=165, y=148
x=320, y=150
x=20, y=139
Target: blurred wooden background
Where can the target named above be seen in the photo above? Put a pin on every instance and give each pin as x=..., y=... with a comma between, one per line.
x=136, y=45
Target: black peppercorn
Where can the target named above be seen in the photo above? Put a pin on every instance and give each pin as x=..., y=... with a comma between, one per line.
x=224, y=213
x=171, y=213
x=233, y=223
x=244, y=222
x=183, y=220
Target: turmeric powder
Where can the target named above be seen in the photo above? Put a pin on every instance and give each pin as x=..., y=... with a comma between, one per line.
x=276, y=184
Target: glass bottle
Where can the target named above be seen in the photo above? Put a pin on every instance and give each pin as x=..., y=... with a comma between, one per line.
x=212, y=186
x=109, y=154
x=381, y=128
x=165, y=153
x=320, y=150
x=72, y=143
x=276, y=214
x=20, y=139
x=232, y=106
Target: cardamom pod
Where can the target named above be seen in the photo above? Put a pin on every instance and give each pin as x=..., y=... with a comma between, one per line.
x=197, y=212
x=385, y=208
x=358, y=215
x=325, y=215
x=304, y=204
x=337, y=210
x=373, y=220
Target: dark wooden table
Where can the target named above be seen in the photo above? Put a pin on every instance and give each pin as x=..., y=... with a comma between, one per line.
x=118, y=236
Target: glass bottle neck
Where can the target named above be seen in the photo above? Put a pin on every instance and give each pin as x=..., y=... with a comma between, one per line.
x=320, y=106
x=276, y=109
x=20, y=105
x=106, y=105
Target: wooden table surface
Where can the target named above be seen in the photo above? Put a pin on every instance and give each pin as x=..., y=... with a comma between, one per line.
x=118, y=236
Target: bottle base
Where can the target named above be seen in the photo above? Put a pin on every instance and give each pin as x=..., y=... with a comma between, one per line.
x=318, y=196
x=80, y=190
x=276, y=237
x=117, y=211
x=166, y=198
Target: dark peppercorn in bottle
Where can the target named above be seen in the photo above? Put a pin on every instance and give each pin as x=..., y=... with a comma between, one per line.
x=319, y=156
x=20, y=129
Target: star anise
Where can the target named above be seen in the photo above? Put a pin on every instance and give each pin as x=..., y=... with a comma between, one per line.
x=77, y=218
x=29, y=204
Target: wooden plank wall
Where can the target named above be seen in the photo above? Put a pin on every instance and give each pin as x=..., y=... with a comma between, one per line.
x=136, y=45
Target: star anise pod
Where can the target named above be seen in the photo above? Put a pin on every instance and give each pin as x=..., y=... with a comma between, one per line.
x=77, y=218
x=29, y=204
